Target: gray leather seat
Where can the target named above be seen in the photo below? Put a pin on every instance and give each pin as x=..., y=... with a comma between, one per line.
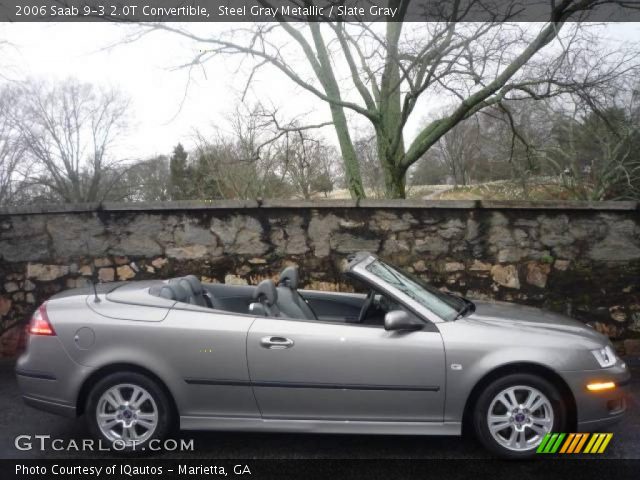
x=289, y=300
x=196, y=294
x=267, y=294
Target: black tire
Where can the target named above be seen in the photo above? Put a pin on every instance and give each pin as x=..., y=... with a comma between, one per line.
x=482, y=405
x=161, y=402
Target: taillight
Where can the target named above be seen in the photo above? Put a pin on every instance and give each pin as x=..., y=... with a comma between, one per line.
x=40, y=324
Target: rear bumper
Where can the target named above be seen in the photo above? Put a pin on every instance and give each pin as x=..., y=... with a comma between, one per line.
x=49, y=406
x=38, y=389
x=598, y=410
x=48, y=378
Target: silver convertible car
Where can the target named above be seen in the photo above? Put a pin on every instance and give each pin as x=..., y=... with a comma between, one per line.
x=139, y=358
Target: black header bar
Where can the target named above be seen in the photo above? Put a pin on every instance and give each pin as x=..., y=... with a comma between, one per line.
x=318, y=10
x=369, y=469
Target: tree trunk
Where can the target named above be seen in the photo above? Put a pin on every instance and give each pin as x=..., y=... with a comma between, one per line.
x=390, y=140
x=394, y=182
x=394, y=172
x=325, y=74
x=349, y=157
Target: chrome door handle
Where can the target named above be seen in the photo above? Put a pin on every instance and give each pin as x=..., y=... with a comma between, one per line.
x=276, y=343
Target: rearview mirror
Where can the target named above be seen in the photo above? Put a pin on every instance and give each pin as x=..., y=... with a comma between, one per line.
x=401, y=320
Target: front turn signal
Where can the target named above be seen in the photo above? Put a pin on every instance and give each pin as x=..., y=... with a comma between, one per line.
x=600, y=386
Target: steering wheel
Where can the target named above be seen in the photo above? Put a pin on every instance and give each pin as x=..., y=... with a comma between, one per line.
x=366, y=306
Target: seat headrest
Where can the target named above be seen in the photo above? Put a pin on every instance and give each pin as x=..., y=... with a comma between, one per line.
x=195, y=284
x=166, y=292
x=183, y=283
x=266, y=290
x=174, y=291
x=289, y=278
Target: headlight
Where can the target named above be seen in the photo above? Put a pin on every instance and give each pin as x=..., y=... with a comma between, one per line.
x=605, y=356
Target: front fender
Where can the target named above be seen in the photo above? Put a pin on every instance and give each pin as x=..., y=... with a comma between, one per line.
x=473, y=353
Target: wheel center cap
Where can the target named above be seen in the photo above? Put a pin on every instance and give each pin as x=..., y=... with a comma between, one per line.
x=520, y=417
x=127, y=414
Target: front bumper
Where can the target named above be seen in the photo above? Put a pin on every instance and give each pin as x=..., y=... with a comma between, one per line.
x=597, y=410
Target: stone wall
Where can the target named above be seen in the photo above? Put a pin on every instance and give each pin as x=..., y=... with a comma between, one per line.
x=577, y=258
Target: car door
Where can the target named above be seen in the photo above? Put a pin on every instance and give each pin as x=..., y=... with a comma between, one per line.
x=339, y=371
x=205, y=352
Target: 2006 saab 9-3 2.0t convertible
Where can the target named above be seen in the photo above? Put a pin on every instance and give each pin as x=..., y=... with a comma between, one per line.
x=139, y=357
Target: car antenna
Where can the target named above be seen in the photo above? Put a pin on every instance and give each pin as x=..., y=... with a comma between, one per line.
x=96, y=298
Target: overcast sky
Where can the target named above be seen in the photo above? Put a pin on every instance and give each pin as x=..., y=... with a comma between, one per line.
x=145, y=71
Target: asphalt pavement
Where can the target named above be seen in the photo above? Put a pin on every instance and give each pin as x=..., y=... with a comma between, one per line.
x=18, y=419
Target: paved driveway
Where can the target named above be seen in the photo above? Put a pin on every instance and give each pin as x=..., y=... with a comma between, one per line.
x=18, y=419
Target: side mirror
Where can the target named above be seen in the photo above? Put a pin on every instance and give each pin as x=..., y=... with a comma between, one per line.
x=257, y=309
x=398, y=320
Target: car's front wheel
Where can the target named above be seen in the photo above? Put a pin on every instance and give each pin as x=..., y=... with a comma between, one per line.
x=514, y=413
x=127, y=410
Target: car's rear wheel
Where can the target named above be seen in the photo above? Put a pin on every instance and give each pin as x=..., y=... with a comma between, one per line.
x=128, y=410
x=514, y=413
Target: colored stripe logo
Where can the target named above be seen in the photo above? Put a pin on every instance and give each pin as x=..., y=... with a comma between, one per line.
x=574, y=443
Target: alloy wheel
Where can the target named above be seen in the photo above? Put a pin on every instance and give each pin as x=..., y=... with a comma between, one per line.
x=519, y=417
x=127, y=413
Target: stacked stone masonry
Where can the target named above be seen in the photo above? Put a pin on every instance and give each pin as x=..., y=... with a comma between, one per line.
x=579, y=259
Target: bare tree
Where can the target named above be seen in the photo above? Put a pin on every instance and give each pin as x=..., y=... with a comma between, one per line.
x=596, y=152
x=236, y=164
x=68, y=130
x=11, y=149
x=367, y=155
x=262, y=156
x=308, y=163
x=459, y=150
x=392, y=67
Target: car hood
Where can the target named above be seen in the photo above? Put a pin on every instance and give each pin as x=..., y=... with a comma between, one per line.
x=530, y=319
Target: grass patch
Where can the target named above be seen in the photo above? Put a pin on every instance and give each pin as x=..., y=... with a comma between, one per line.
x=505, y=191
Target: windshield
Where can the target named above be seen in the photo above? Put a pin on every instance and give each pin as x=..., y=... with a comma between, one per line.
x=446, y=306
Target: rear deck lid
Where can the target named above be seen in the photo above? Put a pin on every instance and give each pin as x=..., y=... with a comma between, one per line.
x=131, y=301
